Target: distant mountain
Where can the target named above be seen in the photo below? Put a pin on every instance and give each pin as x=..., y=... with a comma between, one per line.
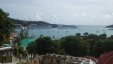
x=27, y=23
x=110, y=26
x=39, y=23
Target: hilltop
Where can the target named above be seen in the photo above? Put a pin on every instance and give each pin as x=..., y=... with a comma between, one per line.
x=110, y=26
x=27, y=23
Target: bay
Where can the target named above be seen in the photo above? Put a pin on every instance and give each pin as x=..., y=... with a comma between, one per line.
x=59, y=33
x=56, y=33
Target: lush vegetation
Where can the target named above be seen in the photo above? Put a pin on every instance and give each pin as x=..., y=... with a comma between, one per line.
x=6, y=26
x=75, y=45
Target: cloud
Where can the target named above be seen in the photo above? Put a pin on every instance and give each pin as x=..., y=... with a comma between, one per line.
x=56, y=11
x=108, y=16
x=83, y=14
x=93, y=16
x=39, y=17
x=80, y=14
x=112, y=14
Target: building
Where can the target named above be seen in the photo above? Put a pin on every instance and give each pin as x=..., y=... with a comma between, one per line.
x=12, y=37
x=62, y=59
x=106, y=58
x=6, y=54
x=93, y=60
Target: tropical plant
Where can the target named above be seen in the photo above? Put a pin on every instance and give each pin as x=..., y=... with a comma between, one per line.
x=6, y=26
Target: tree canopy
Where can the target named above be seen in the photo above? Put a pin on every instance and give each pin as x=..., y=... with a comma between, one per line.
x=75, y=45
x=6, y=26
x=42, y=45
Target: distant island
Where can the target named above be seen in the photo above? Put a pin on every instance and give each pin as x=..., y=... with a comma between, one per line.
x=110, y=26
x=37, y=24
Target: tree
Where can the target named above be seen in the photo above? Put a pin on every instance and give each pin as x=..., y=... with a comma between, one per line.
x=77, y=45
x=31, y=48
x=42, y=45
x=6, y=26
x=18, y=50
x=111, y=37
x=102, y=36
x=86, y=34
x=57, y=47
x=73, y=46
x=98, y=48
x=77, y=34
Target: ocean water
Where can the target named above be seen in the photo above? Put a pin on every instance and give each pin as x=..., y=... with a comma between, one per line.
x=59, y=33
x=56, y=33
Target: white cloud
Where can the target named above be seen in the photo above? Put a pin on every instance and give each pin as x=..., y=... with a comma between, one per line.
x=93, y=16
x=85, y=11
x=112, y=14
x=76, y=15
x=39, y=17
x=108, y=16
x=83, y=14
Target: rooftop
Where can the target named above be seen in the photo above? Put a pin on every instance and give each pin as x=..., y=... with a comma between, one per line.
x=5, y=48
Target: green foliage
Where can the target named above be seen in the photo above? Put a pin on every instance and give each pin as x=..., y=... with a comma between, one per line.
x=42, y=45
x=32, y=48
x=78, y=34
x=86, y=34
x=6, y=26
x=102, y=36
x=74, y=46
x=57, y=47
x=18, y=50
x=78, y=45
x=102, y=46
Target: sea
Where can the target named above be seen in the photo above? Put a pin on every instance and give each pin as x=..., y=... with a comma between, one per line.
x=56, y=33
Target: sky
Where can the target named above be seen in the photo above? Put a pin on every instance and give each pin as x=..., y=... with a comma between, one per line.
x=70, y=12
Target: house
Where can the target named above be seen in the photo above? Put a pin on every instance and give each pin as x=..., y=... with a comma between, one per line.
x=6, y=54
x=106, y=58
x=93, y=60
x=12, y=37
x=61, y=59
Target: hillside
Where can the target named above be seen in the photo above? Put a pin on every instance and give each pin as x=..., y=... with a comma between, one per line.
x=110, y=26
x=27, y=23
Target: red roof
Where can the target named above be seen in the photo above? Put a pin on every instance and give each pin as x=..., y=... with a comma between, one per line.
x=106, y=58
